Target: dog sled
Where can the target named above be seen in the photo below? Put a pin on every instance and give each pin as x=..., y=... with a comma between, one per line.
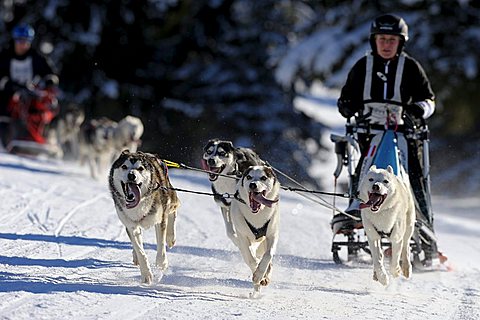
x=387, y=145
x=31, y=112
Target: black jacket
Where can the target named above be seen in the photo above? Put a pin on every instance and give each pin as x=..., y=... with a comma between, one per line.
x=415, y=86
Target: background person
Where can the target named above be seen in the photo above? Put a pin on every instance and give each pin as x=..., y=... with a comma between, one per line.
x=21, y=68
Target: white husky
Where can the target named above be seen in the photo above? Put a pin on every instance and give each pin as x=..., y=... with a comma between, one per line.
x=389, y=211
x=256, y=216
x=143, y=198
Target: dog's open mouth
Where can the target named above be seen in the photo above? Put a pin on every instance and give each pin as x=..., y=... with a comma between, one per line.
x=375, y=200
x=131, y=191
x=214, y=176
x=214, y=170
x=256, y=200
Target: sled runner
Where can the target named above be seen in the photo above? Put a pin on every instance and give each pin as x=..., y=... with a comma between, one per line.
x=386, y=146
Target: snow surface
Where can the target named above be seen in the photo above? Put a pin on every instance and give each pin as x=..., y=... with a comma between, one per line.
x=65, y=255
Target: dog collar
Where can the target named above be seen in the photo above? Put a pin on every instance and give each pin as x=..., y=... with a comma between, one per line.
x=237, y=197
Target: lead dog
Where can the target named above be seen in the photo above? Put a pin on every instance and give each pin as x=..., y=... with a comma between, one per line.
x=143, y=198
x=390, y=211
x=222, y=159
x=255, y=216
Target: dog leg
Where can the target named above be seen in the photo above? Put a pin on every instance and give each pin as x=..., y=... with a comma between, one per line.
x=244, y=246
x=171, y=229
x=405, y=256
x=134, y=254
x=229, y=225
x=161, y=234
x=374, y=242
x=137, y=243
x=397, y=245
x=265, y=262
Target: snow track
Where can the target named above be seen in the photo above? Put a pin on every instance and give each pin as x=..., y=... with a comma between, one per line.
x=66, y=255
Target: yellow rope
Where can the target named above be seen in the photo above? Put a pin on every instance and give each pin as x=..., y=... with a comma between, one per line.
x=171, y=164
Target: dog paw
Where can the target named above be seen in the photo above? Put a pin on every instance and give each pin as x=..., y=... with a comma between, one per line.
x=256, y=292
x=406, y=270
x=147, y=277
x=162, y=263
x=171, y=242
x=380, y=276
x=395, y=271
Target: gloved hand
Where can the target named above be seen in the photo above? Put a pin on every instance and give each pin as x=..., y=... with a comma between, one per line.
x=346, y=107
x=415, y=110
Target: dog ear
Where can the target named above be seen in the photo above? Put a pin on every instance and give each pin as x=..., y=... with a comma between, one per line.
x=373, y=167
x=269, y=171
x=390, y=169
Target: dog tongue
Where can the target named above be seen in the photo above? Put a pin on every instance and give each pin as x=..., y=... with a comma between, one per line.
x=373, y=200
x=133, y=196
x=260, y=198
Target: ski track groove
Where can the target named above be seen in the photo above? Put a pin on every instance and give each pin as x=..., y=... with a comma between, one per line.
x=72, y=211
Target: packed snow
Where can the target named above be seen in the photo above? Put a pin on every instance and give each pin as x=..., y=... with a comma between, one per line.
x=65, y=255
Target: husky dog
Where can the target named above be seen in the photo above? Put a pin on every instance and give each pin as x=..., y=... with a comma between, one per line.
x=390, y=211
x=64, y=131
x=222, y=158
x=255, y=216
x=96, y=144
x=127, y=134
x=143, y=198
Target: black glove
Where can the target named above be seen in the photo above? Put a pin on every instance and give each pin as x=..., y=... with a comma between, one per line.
x=415, y=110
x=346, y=107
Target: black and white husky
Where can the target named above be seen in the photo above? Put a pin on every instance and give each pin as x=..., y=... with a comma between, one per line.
x=255, y=215
x=226, y=164
x=143, y=198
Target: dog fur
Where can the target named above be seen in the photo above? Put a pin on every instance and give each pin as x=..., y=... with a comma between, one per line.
x=389, y=210
x=64, y=130
x=127, y=134
x=221, y=158
x=255, y=215
x=96, y=145
x=143, y=197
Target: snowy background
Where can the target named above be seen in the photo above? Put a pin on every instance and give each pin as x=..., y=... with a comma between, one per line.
x=65, y=255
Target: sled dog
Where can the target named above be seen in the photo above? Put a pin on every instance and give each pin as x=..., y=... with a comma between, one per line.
x=143, y=198
x=222, y=158
x=389, y=210
x=96, y=144
x=64, y=131
x=255, y=216
x=127, y=134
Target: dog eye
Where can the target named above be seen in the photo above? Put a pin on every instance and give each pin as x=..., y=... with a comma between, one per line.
x=249, y=177
x=263, y=178
x=385, y=181
x=222, y=154
x=141, y=169
x=124, y=167
x=209, y=151
x=371, y=179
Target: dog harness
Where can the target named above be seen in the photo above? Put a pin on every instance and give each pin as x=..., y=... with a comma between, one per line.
x=219, y=197
x=258, y=232
x=380, y=112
